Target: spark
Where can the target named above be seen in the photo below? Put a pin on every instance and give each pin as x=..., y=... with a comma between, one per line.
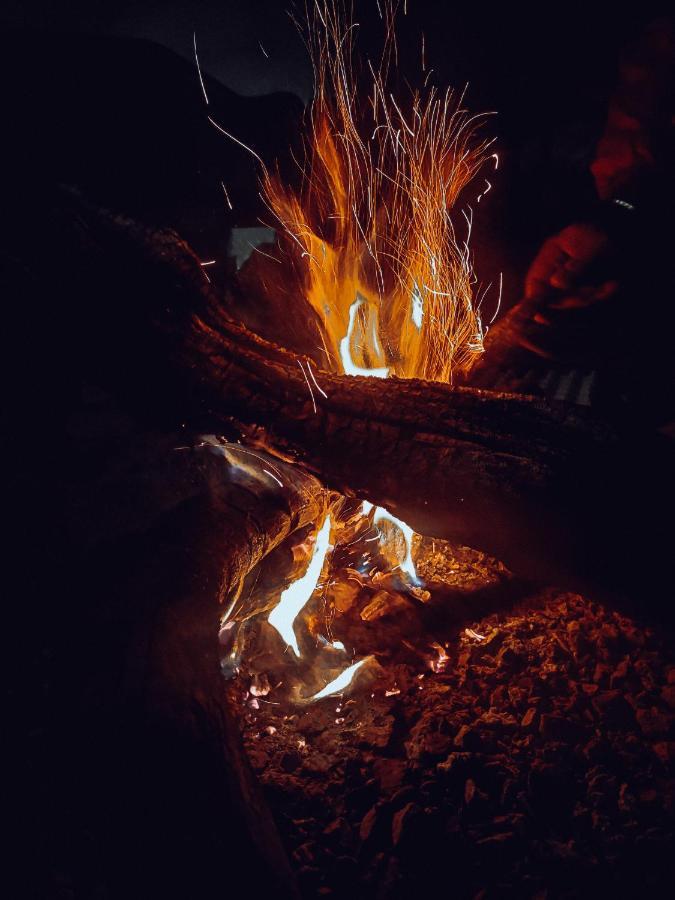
x=208, y=262
x=265, y=53
x=316, y=384
x=311, y=392
x=499, y=299
x=296, y=595
x=199, y=70
x=262, y=252
x=278, y=481
x=227, y=196
x=342, y=681
x=230, y=449
x=236, y=140
x=486, y=191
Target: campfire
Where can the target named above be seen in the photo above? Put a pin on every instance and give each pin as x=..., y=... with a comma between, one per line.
x=291, y=613
x=370, y=247
x=374, y=242
x=332, y=616
x=358, y=646
x=378, y=231
x=337, y=600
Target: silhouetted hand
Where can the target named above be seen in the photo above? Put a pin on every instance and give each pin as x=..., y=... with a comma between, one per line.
x=564, y=273
x=570, y=272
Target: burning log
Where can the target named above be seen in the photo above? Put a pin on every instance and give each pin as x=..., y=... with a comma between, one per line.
x=245, y=518
x=533, y=483
x=134, y=768
x=155, y=765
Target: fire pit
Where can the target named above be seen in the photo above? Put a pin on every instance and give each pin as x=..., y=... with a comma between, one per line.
x=398, y=719
x=331, y=601
x=535, y=753
x=369, y=624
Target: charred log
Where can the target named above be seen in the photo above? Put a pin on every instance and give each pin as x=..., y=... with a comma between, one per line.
x=535, y=483
x=130, y=776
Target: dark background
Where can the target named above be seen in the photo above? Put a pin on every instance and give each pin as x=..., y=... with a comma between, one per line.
x=105, y=96
x=549, y=51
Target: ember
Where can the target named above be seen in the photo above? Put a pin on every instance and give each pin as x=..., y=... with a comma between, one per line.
x=363, y=588
x=535, y=753
x=359, y=562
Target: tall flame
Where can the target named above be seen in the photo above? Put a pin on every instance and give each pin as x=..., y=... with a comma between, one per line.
x=371, y=226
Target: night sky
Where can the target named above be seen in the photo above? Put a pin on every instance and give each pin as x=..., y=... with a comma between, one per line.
x=229, y=34
x=543, y=49
x=546, y=70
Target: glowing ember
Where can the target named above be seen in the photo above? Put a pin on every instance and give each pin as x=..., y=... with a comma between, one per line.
x=371, y=230
x=343, y=574
x=298, y=593
x=439, y=664
x=474, y=635
x=342, y=682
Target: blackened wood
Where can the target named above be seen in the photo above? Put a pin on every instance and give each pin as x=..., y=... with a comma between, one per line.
x=535, y=483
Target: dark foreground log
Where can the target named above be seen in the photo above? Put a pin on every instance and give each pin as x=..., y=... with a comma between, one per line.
x=129, y=779
x=179, y=671
x=539, y=485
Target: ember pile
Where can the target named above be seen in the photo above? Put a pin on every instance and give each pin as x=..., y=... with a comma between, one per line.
x=330, y=604
x=534, y=757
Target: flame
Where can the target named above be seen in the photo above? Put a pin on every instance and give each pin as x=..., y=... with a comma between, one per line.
x=380, y=514
x=348, y=365
x=371, y=229
x=296, y=595
x=440, y=662
x=378, y=239
x=342, y=682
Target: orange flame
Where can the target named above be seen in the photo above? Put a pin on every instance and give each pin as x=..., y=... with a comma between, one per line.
x=372, y=225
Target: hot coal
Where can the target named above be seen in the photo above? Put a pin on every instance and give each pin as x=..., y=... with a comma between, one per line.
x=536, y=760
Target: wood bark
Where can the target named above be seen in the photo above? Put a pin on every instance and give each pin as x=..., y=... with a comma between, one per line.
x=183, y=687
x=132, y=779
x=530, y=481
